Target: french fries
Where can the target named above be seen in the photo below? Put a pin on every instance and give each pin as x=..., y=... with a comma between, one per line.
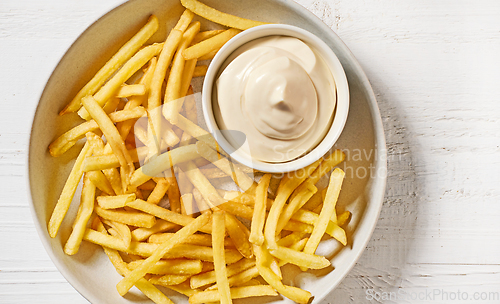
x=154, y=186
x=173, y=90
x=128, y=69
x=219, y=17
x=205, y=35
x=113, y=136
x=125, y=52
x=218, y=231
x=259, y=214
x=133, y=218
x=130, y=279
x=121, y=267
x=85, y=211
x=211, y=44
x=68, y=192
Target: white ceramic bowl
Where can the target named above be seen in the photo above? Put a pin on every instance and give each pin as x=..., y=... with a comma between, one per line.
x=90, y=271
x=334, y=65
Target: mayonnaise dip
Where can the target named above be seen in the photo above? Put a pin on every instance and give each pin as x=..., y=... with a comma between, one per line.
x=280, y=93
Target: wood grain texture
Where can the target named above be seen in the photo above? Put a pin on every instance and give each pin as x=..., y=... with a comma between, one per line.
x=434, y=67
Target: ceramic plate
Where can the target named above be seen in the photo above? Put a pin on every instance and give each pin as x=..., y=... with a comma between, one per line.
x=89, y=271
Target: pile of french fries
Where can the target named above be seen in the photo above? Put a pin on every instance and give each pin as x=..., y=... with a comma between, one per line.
x=157, y=215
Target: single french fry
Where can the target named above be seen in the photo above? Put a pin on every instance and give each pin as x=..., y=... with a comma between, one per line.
x=159, y=191
x=114, y=202
x=108, y=161
x=239, y=177
x=165, y=214
x=176, y=266
x=163, y=162
x=130, y=90
x=210, y=44
x=205, y=35
x=69, y=138
x=327, y=211
x=216, y=16
x=218, y=232
x=196, y=239
x=121, y=267
x=300, y=258
x=123, y=54
x=126, y=283
x=200, y=70
x=208, y=277
x=187, y=76
x=68, y=192
x=187, y=204
x=128, y=69
x=137, y=219
x=85, y=211
x=201, y=183
x=173, y=93
x=141, y=234
x=237, y=209
x=336, y=232
x=122, y=230
x=259, y=212
x=287, y=186
x=303, y=193
x=235, y=293
x=264, y=259
x=113, y=137
x=101, y=182
x=237, y=234
x=210, y=55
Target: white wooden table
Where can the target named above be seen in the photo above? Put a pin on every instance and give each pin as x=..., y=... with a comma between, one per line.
x=435, y=69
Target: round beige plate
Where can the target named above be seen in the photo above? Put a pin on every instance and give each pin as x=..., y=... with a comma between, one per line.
x=89, y=271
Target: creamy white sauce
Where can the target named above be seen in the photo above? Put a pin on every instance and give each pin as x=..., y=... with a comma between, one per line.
x=279, y=93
